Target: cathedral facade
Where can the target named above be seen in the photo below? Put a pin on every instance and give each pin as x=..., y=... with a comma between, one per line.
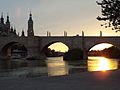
x=7, y=30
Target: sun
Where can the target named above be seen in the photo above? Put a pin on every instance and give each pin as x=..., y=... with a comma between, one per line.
x=101, y=46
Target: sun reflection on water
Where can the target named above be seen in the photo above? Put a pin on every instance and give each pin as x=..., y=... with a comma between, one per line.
x=57, y=67
x=101, y=64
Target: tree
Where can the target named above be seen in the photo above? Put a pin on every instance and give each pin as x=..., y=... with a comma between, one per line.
x=111, y=13
x=73, y=54
x=112, y=52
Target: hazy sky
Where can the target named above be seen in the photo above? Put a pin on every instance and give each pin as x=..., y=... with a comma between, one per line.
x=56, y=16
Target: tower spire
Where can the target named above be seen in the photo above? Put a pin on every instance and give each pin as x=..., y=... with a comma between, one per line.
x=30, y=26
x=2, y=19
x=7, y=24
x=23, y=33
x=30, y=16
x=7, y=18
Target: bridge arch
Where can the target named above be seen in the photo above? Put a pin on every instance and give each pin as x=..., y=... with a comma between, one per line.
x=46, y=46
x=51, y=43
x=9, y=48
x=107, y=42
x=96, y=42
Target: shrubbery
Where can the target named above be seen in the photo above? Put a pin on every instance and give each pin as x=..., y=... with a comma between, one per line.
x=74, y=54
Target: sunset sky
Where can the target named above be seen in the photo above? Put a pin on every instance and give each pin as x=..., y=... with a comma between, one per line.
x=56, y=16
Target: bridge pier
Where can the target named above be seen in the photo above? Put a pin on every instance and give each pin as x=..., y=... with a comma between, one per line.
x=85, y=55
x=35, y=54
x=34, y=49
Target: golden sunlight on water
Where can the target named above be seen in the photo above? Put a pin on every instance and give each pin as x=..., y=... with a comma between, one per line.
x=101, y=64
x=57, y=67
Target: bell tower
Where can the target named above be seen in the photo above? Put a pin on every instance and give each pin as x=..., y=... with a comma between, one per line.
x=8, y=24
x=30, y=31
x=2, y=19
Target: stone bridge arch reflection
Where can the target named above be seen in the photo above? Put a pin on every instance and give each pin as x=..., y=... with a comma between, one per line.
x=14, y=50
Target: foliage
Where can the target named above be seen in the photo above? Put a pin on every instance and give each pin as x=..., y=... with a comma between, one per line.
x=74, y=54
x=52, y=53
x=111, y=13
x=111, y=52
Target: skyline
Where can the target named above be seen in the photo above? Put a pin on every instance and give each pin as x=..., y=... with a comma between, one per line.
x=56, y=16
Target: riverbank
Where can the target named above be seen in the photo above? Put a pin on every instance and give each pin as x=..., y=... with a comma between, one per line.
x=108, y=80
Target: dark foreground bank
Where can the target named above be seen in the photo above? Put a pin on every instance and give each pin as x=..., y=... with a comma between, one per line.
x=109, y=80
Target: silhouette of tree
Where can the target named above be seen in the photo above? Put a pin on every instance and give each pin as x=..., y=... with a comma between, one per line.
x=112, y=52
x=111, y=13
x=73, y=54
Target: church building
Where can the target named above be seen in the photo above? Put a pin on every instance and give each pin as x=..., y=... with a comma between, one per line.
x=7, y=30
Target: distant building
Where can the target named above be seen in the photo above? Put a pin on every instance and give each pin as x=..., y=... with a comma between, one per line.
x=30, y=31
x=5, y=28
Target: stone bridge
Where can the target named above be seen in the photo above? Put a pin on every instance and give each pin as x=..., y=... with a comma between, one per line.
x=36, y=44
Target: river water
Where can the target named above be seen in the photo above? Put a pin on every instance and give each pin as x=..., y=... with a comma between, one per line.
x=55, y=66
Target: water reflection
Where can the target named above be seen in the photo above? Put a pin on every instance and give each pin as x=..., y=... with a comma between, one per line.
x=57, y=67
x=102, y=64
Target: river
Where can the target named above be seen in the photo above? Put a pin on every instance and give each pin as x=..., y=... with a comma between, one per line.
x=56, y=66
